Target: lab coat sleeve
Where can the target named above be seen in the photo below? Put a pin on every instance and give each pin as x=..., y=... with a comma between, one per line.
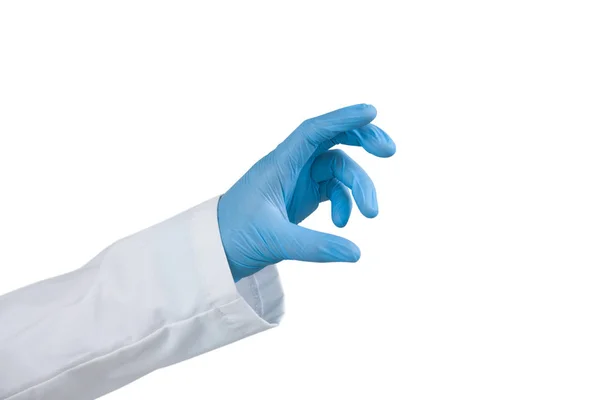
x=150, y=300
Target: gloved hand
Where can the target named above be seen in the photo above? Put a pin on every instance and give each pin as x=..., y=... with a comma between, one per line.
x=259, y=215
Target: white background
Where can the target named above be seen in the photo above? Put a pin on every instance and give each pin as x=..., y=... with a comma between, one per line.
x=479, y=279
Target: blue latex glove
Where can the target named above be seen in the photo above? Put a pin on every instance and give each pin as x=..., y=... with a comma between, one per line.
x=259, y=215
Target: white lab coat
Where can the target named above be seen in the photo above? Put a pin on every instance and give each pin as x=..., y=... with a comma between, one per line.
x=152, y=299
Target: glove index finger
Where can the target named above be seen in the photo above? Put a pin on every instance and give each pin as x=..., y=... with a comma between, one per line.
x=344, y=119
x=307, y=138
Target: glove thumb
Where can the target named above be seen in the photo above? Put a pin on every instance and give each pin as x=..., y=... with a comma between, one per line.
x=313, y=246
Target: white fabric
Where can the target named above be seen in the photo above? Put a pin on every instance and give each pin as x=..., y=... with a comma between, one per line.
x=152, y=299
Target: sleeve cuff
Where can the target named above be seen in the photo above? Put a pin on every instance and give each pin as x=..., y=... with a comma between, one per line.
x=260, y=296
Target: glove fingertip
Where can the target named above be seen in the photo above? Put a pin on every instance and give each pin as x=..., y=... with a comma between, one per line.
x=347, y=251
x=374, y=140
x=371, y=212
x=340, y=214
x=354, y=255
x=368, y=109
x=389, y=150
x=339, y=222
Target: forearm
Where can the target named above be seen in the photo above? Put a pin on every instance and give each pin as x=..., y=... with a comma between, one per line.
x=149, y=300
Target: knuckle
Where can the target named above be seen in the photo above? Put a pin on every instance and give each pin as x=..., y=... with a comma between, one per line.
x=309, y=131
x=309, y=124
x=338, y=153
x=338, y=159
